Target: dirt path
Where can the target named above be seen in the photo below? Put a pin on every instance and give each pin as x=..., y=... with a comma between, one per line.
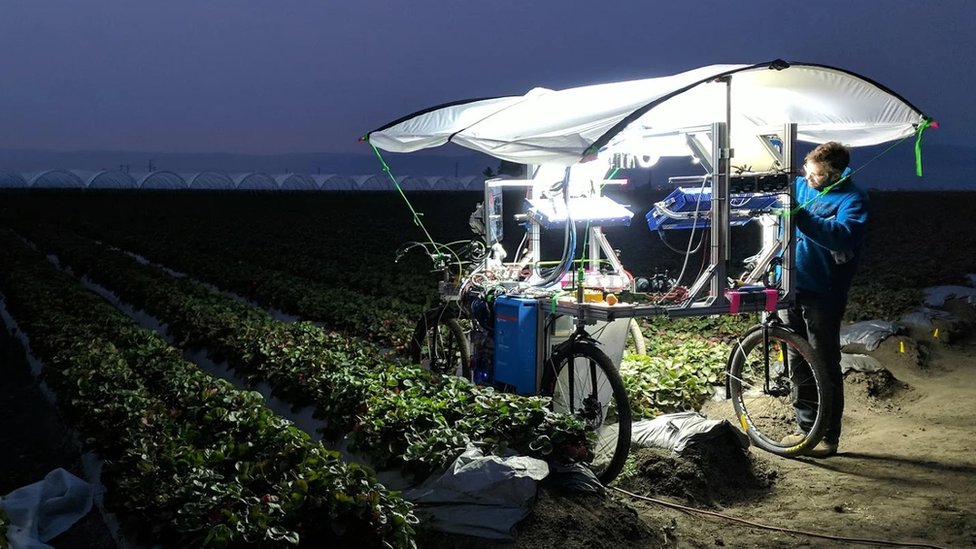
x=906, y=470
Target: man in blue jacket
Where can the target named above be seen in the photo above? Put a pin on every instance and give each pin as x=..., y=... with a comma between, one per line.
x=829, y=236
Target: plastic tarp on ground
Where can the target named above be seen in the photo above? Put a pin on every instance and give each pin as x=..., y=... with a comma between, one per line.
x=683, y=430
x=859, y=363
x=869, y=333
x=564, y=127
x=479, y=495
x=45, y=509
x=936, y=296
x=922, y=317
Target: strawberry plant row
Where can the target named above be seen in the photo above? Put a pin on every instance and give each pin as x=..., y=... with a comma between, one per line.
x=192, y=460
x=334, y=240
x=387, y=321
x=396, y=414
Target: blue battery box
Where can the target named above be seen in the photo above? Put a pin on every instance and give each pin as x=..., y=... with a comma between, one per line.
x=516, y=343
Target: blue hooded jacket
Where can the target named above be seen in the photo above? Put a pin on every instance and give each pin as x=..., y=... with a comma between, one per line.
x=829, y=237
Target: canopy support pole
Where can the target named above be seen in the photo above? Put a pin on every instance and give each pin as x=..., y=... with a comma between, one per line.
x=720, y=213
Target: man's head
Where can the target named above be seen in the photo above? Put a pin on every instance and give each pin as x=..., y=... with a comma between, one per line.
x=825, y=163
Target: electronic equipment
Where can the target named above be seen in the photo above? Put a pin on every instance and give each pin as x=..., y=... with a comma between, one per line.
x=595, y=210
x=687, y=208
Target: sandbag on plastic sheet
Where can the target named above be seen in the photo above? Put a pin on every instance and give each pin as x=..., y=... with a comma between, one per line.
x=679, y=431
x=45, y=509
x=478, y=495
x=971, y=277
x=923, y=317
x=869, y=333
x=936, y=296
x=859, y=363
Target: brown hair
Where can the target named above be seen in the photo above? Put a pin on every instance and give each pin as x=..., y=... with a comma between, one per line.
x=832, y=155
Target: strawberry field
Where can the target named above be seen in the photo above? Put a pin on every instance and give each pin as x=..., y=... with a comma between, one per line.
x=301, y=293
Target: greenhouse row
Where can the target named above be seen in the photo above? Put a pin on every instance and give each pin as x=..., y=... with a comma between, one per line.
x=210, y=180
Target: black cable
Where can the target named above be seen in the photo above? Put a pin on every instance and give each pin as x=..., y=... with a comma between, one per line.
x=660, y=233
x=774, y=528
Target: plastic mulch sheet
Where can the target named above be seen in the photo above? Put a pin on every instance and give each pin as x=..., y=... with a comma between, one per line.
x=679, y=431
x=869, y=333
x=45, y=509
x=936, y=296
x=479, y=495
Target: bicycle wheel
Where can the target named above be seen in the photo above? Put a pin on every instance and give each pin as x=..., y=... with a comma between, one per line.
x=765, y=405
x=440, y=344
x=583, y=382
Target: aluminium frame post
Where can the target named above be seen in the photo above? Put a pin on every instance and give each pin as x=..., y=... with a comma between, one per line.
x=788, y=242
x=721, y=154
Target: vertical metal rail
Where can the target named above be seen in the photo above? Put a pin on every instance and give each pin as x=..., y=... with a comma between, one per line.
x=788, y=243
x=720, y=213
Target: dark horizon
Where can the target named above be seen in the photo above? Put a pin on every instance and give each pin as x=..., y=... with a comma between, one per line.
x=946, y=167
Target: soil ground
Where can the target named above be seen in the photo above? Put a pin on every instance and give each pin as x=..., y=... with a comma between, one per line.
x=905, y=473
x=906, y=470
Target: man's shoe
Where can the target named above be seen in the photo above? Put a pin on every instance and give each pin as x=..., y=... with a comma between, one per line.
x=793, y=440
x=823, y=450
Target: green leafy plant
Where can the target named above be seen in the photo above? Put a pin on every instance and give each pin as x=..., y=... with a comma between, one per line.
x=4, y=522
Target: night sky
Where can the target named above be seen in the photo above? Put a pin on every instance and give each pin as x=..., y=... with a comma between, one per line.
x=295, y=76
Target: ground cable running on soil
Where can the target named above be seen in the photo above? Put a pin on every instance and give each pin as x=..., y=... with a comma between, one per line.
x=687, y=509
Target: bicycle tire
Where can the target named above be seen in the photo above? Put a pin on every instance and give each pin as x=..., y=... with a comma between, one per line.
x=601, y=383
x=440, y=344
x=640, y=346
x=767, y=416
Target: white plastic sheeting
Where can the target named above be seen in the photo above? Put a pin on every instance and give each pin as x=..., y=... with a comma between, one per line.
x=922, y=317
x=335, y=182
x=161, y=180
x=679, y=431
x=12, y=180
x=296, y=182
x=563, y=127
x=45, y=509
x=410, y=183
x=106, y=179
x=936, y=296
x=869, y=333
x=479, y=495
x=55, y=179
x=257, y=181
x=378, y=182
x=214, y=181
x=859, y=363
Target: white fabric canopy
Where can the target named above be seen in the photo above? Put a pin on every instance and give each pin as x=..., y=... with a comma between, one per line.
x=563, y=127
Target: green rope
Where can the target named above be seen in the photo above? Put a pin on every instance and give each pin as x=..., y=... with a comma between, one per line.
x=926, y=122
x=828, y=188
x=416, y=216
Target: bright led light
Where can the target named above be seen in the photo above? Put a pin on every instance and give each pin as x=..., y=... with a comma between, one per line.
x=646, y=160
